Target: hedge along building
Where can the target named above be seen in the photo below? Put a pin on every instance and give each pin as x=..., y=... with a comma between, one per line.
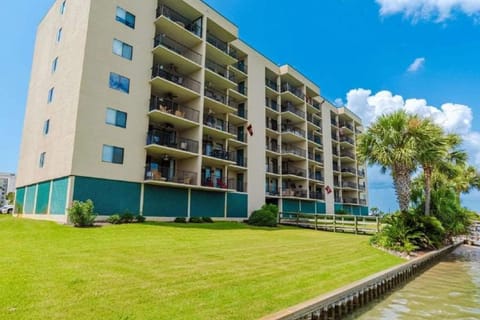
x=158, y=108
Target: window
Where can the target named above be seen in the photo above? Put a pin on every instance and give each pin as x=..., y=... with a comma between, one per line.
x=41, y=162
x=46, y=127
x=122, y=49
x=62, y=7
x=119, y=82
x=51, y=93
x=59, y=35
x=54, y=65
x=116, y=118
x=112, y=154
x=125, y=17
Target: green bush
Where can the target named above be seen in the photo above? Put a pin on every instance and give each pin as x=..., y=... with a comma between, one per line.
x=180, y=220
x=127, y=217
x=81, y=213
x=265, y=217
x=207, y=220
x=139, y=218
x=195, y=220
x=114, y=219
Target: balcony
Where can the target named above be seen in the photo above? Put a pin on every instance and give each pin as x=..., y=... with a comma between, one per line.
x=292, y=170
x=218, y=74
x=362, y=187
x=361, y=173
x=297, y=92
x=219, y=128
x=315, y=138
x=318, y=195
x=299, y=193
x=347, y=154
x=272, y=169
x=239, y=161
x=174, y=83
x=317, y=105
x=213, y=182
x=161, y=174
x=346, y=125
x=216, y=95
x=271, y=124
x=338, y=199
x=335, y=167
x=347, y=140
x=240, y=66
x=178, y=26
x=219, y=154
x=178, y=48
x=314, y=120
x=272, y=147
x=219, y=51
x=291, y=133
x=294, y=153
x=315, y=157
x=316, y=176
x=271, y=190
x=239, y=92
x=240, y=109
x=161, y=142
x=272, y=104
x=350, y=200
x=173, y=111
x=334, y=122
x=271, y=84
x=348, y=170
x=362, y=202
x=288, y=107
x=349, y=185
x=237, y=185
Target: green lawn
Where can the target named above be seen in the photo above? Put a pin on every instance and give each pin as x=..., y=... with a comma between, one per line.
x=171, y=271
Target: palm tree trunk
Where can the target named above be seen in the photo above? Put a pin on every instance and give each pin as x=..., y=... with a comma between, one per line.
x=427, y=172
x=401, y=181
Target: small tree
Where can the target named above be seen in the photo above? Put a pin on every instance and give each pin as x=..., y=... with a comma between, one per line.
x=265, y=217
x=10, y=198
x=81, y=213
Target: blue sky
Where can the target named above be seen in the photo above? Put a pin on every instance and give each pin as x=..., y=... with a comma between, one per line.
x=342, y=45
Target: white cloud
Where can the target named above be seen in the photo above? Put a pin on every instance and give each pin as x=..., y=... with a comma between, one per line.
x=440, y=10
x=416, y=65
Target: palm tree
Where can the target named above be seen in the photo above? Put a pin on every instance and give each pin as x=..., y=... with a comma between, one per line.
x=465, y=179
x=392, y=143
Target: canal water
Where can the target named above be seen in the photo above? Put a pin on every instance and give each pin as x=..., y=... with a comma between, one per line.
x=449, y=290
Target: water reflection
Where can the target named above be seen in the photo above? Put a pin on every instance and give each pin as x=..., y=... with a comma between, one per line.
x=449, y=290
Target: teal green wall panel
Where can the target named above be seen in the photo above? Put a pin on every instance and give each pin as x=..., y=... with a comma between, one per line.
x=59, y=196
x=109, y=196
x=321, y=207
x=165, y=202
x=207, y=204
x=30, y=199
x=291, y=205
x=19, y=199
x=43, y=193
x=338, y=207
x=237, y=205
x=307, y=206
x=364, y=211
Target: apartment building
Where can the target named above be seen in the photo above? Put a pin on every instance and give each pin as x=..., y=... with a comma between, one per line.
x=7, y=185
x=158, y=108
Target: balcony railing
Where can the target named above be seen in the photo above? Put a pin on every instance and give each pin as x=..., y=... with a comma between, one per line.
x=170, y=140
x=295, y=130
x=316, y=176
x=292, y=109
x=171, y=107
x=346, y=125
x=362, y=187
x=239, y=161
x=271, y=84
x=166, y=175
x=317, y=195
x=216, y=95
x=220, y=44
x=315, y=138
x=349, y=184
x=272, y=125
x=271, y=191
x=287, y=149
x=313, y=120
x=347, y=139
x=192, y=26
x=219, y=124
x=272, y=147
x=294, y=171
x=362, y=201
x=219, y=154
x=240, y=65
x=218, y=69
x=361, y=173
x=241, y=89
x=347, y=154
x=316, y=105
x=213, y=182
x=177, y=47
x=338, y=199
x=334, y=122
x=272, y=104
x=349, y=170
x=301, y=193
x=182, y=80
x=315, y=157
x=296, y=91
x=350, y=200
x=236, y=185
x=335, y=167
x=272, y=169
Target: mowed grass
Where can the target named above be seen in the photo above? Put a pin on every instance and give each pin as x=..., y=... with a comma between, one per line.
x=172, y=271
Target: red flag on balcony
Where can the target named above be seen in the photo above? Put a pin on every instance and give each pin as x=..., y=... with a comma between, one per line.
x=328, y=189
x=250, y=130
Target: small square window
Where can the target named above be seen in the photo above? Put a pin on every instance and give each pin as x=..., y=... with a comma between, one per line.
x=116, y=118
x=41, y=161
x=62, y=7
x=59, y=35
x=122, y=49
x=51, y=93
x=46, y=127
x=112, y=154
x=120, y=83
x=54, y=65
x=125, y=17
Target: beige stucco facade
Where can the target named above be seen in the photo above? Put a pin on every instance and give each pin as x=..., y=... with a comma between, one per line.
x=194, y=94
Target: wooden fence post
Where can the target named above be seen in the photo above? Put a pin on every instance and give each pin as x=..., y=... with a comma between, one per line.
x=334, y=223
x=316, y=222
x=356, y=224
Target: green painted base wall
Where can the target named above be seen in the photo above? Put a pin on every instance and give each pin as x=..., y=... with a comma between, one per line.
x=59, y=196
x=43, y=195
x=237, y=205
x=19, y=200
x=290, y=205
x=321, y=207
x=165, y=202
x=30, y=199
x=109, y=196
x=307, y=206
x=207, y=204
x=353, y=210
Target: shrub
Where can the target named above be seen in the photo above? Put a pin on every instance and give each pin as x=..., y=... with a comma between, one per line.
x=180, y=220
x=81, y=213
x=207, y=220
x=195, y=220
x=265, y=217
x=127, y=217
x=114, y=219
x=139, y=218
